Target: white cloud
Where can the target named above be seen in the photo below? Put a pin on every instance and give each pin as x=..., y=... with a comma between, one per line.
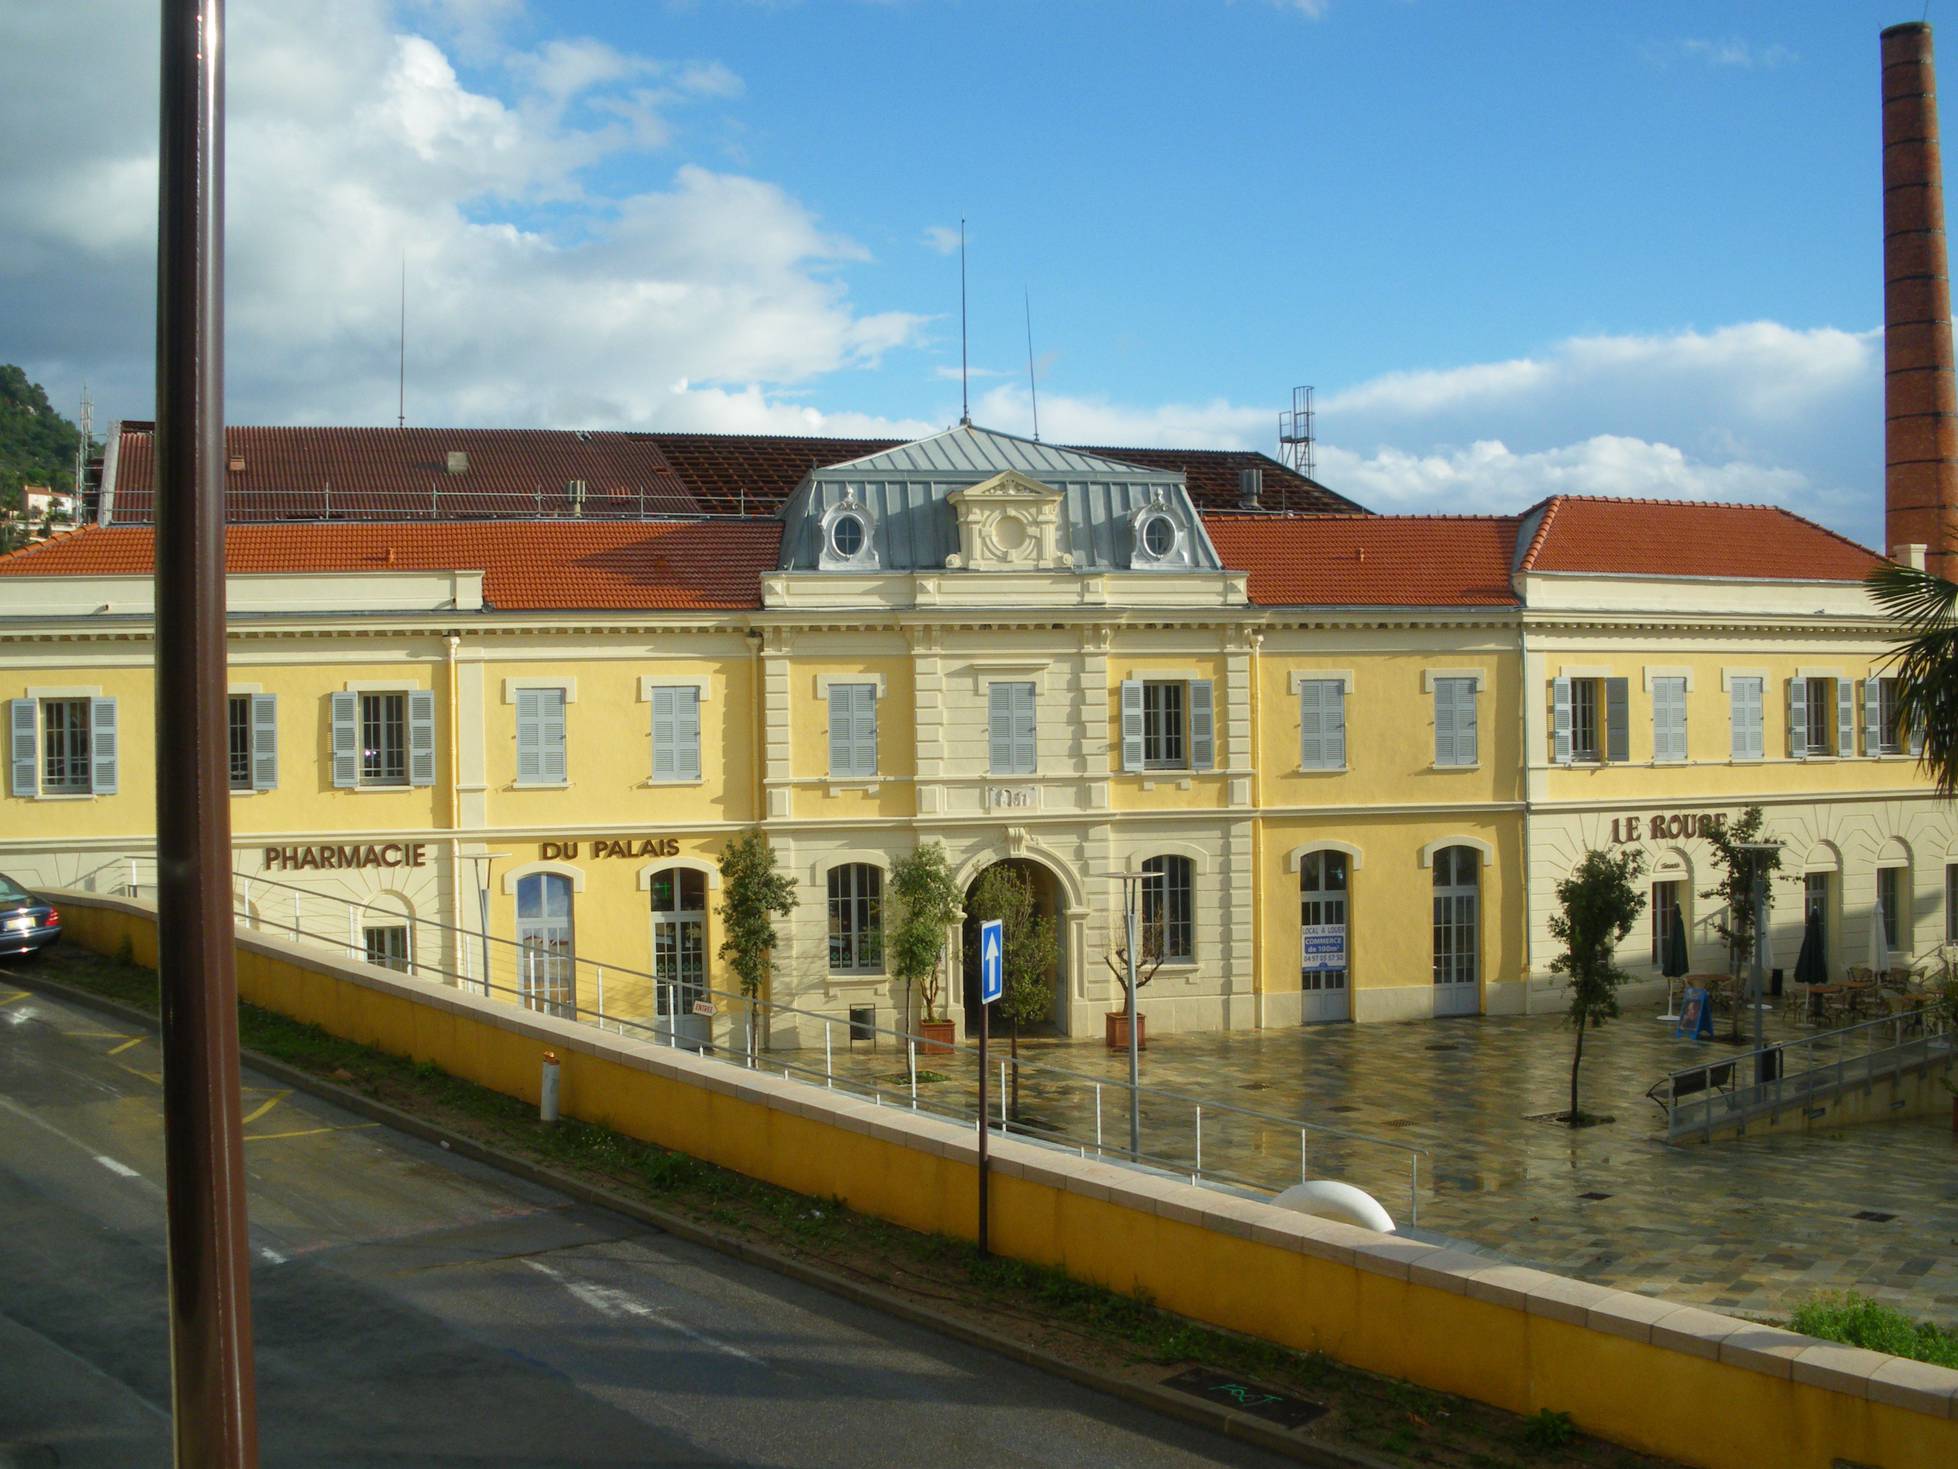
x=942, y=238
x=536, y=293
x=1732, y=53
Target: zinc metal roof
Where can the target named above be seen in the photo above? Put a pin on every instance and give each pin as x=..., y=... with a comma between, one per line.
x=905, y=491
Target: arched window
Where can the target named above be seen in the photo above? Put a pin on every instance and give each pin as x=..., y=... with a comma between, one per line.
x=1457, y=929
x=387, y=933
x=1169, y=909
x=1324, y=931
x=856, y=919
x=545, y=943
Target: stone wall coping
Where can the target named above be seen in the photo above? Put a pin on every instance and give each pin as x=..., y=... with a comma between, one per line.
x=1898, y=1382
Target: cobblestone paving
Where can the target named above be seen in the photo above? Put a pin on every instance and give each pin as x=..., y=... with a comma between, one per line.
x=1751, y=1226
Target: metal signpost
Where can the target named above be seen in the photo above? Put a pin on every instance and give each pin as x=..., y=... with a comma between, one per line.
x=1757, y=870
x=992, y=984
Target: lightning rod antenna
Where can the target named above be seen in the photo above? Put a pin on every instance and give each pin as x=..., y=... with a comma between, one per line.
x=1033, y=387
x=965, y=388
x=401, y=400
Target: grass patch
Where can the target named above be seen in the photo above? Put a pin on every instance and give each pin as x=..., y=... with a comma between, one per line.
x=1858, y=1321
x=1125, y=1334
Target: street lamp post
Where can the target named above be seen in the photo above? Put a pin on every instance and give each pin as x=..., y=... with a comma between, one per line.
x=1758, y=871
x=482, y=906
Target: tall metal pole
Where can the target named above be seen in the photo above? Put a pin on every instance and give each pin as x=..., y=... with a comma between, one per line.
x=985, y=1026
x=214, y=1414
x=1132, y=896
x=1760, y=942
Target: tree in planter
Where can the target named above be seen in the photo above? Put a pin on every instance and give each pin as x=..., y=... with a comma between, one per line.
x=753, y=892
x=1600, y=902
x=928, y=901
x=1004, y=892
x=1152, y=944
x=1735, y=888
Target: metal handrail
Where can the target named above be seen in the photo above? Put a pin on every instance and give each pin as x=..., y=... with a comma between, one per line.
x=1184, y=1109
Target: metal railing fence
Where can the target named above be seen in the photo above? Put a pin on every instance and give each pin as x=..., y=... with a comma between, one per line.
x=1803, y=1071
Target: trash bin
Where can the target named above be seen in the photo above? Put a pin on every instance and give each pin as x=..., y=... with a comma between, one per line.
x=1768, y=1066
x=863, y=1024
x=1774, y=983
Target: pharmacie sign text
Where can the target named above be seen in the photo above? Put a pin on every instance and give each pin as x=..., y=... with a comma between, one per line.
x=372, y=854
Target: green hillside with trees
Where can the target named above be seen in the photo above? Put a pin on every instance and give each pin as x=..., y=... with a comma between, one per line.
x=37, y=444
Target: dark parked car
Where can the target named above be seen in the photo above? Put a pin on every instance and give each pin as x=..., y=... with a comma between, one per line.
x=27, y=923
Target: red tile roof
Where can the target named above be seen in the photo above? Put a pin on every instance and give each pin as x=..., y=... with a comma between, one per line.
x=319, y=473
x=526, y=566
x=1598, y=536
x=1371, y=560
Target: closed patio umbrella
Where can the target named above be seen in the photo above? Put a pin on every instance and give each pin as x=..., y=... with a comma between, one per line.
x=1879, y=941
x=1675, y=964
x=1810, y=966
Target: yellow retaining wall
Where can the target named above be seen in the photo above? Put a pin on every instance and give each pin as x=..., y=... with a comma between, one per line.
x=1922, y=1091
x=1674, y=1380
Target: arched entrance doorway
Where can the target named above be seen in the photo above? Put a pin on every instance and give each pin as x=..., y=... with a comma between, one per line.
x=1048, y=902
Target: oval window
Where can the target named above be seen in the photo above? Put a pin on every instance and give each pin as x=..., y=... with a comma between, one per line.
x=1158, y=536
x=846, y=535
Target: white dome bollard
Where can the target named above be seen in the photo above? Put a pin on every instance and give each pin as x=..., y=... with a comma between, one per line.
x=1327, y=1199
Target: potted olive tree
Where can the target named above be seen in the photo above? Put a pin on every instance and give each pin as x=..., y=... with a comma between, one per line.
x=927, y=905
x=1149, y=958
x=754, y=891
x=1027, y=965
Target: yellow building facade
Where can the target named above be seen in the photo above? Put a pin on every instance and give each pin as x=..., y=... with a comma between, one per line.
x=1352, y=753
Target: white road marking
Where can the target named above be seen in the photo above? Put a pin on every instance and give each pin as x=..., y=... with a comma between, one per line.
x=121, y=1170
x=608, y=1301
x=270, y=1255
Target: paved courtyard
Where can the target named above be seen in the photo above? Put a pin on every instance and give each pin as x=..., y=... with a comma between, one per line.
x=1752, y=1226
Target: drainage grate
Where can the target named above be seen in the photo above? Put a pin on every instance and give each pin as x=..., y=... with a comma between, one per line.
x=1594, y=1196
x=1443, y=1046
x=1253, y=1086
x=1874, y=1216
x=1343, y=1107
x=1398, y=1122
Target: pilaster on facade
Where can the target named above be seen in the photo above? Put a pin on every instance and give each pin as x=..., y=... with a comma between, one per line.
x=1238, y=669
x=928, y=694
x=777, y=652
x=471, y=715
x=1096, y=752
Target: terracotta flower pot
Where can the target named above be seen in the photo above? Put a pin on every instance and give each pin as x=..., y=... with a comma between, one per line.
x=1118, y=1030
x=939, y=1036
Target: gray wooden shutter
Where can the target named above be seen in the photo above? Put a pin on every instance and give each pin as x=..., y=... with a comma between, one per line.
x=530, y=735
x=1203, y=726
x=666, y=734
x=1845, y=716
x=1872, y=716
x=421, y=737
x=22, y=715
x=1668, y=719
x=1131, y=724
x=102, y=746
x=839, y=729
x=1917, y=735
x=1444, y=721
x=864, y=728
x=550, y=729
x=999, y=728
x=265, y=741
x=1312, y=724
x=1026, y=750
x=1798, y=717
x=1618, y=719
x=1755, y=697
x=1334, y=708
x=346, y=739
x=1465, y=731
x=1559, y=720
x=686, y=734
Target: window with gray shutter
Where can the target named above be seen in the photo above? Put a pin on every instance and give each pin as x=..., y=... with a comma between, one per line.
x=1560, y=721
x=1010, y=728
x=22, y=716
x=345, y=712
x=1455, y=742
x=1798, y=717
x=852, y=730
x=1668, y=719
x=676, y=734
x=540, y=737
x=421, y=738
x=1132, y=724
x=265, y=742
x=1873, y=716
x=102, y=745
x=1845, y=716
x=1322, y=724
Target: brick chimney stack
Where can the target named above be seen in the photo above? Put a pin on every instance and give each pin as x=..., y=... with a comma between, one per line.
x=1920, y=393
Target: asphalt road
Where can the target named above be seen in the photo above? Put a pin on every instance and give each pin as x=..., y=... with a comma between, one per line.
x=413, y=1308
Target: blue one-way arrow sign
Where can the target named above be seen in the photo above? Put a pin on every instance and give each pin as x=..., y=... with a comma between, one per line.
x=992, y=969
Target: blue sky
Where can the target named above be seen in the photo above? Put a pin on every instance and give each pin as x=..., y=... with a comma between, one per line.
x=1517, y=247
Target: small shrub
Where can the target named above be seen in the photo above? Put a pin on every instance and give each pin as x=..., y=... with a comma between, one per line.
x=1548, y=1429
x=125, y=951
x=1858, y=1321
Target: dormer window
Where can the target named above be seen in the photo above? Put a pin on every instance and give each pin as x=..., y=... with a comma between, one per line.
x=1159, y=536
x=846, y=536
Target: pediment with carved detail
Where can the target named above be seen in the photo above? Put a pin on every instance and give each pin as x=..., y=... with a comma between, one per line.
x=1009, y=523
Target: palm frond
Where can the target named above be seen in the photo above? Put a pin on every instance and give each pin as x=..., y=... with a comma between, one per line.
x=1925, y=663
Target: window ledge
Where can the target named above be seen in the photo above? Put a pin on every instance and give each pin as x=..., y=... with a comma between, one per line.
x=248, y=791
x=668, y=785
x=1181, y=782
x=858, y=977
x=62, y=796
x=1323, y=770
x=538, y=785
x=867, y=784
x=380, y=790
x=1452, y=769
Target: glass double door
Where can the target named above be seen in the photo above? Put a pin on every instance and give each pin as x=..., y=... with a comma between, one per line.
x=680, y=951
x=1457, y=931
x=1324, y=959
x=546, y=966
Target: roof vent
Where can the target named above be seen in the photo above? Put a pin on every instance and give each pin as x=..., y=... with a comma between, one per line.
x=574, y=491
x=458, y=461
x=236, y=461
x=1250, y=487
